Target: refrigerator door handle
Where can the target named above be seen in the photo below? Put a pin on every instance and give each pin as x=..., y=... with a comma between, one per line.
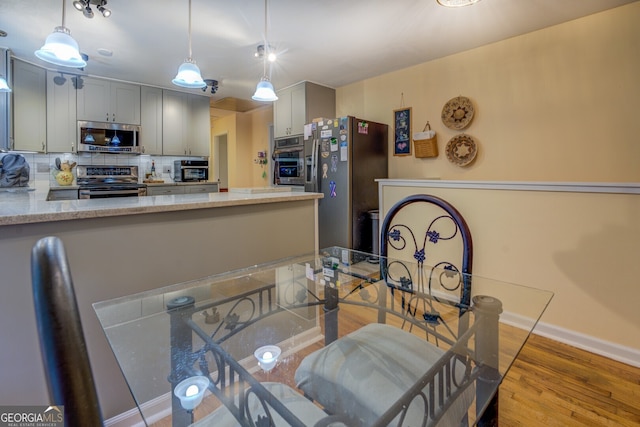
x=314, y=166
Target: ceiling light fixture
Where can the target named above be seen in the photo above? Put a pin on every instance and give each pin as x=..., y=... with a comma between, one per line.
x=456, y=3
x=84, y=6
x=189, y=74
x=210, y=82
x=4, y=86
x=60, y=48
x=264, y=89
x=271, y=53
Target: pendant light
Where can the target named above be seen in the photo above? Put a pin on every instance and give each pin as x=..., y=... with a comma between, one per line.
x=60, y=48
x=456, y=3
x=4, y=86
x=264, y=90
x=189, y=74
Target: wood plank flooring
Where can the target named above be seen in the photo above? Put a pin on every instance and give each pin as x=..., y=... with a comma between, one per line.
x=553, y=384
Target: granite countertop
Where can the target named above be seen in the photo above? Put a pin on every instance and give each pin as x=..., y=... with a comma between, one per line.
x=32, y=207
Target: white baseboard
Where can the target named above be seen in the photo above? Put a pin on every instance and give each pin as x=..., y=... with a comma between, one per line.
x=620, y=353
x=627, y=355
x=160, y=407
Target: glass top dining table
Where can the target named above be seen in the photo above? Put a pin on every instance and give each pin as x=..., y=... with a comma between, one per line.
x=337, y=337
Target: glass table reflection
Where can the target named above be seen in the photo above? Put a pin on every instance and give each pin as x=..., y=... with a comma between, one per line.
x=335, y=338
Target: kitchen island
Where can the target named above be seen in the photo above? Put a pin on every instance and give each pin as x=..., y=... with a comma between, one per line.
x=119, y=246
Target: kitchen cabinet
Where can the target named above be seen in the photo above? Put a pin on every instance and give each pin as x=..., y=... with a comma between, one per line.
x=174, y=123
x=108, y=101
x=164, y=190
x=186, y=126
x=201, y=188
x=299, y=104
x=199, y=131
x=151, y=120
x=62, y=194
x=62, y=126
x=29, y=107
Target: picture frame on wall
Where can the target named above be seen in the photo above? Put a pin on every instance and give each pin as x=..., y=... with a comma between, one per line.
x=402, y=132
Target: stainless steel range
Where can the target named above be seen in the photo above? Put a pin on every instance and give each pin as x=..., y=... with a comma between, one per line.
x=98, y=181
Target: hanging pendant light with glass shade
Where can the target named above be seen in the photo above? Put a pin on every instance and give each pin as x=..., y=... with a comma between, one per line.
x=189, y=74
x=60, y=48
x=264, y=90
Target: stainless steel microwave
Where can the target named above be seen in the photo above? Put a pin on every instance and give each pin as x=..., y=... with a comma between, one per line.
x=100, y=137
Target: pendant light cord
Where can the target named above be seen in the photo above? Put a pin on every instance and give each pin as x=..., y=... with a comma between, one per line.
x=266, y=41
x=63, y=13
x=190, y=53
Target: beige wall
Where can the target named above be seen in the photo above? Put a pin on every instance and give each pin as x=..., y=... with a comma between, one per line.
x=581, y=246
x=247, y=133
x=559, y=104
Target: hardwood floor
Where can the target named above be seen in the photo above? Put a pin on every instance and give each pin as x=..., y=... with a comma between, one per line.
x=553, y=384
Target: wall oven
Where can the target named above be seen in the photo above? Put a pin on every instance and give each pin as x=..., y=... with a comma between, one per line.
x=99, y=137
x=288, y=158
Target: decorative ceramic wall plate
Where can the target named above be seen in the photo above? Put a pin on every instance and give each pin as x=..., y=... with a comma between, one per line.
x=457, y=113
x=461, y=150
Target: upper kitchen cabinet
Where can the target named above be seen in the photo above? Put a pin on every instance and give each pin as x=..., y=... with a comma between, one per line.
x=299, y=104
x=108, y=101
x=61, y=113
x=151, y=120
x=186, y=126
x=29, y=107
x=199, y=133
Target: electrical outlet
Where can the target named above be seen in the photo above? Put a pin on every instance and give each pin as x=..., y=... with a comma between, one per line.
x=166, y=169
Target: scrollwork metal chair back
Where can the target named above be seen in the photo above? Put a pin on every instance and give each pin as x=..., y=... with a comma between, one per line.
x=427, y=232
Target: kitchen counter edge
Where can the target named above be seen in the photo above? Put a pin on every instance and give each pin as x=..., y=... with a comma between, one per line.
x=31, y=210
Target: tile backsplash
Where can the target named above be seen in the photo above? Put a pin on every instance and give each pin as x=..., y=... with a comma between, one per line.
x=43, y=165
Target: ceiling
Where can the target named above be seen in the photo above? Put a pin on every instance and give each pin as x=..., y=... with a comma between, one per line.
x=331, y=42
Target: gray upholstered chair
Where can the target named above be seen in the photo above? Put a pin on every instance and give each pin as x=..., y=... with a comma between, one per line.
x=64, y=352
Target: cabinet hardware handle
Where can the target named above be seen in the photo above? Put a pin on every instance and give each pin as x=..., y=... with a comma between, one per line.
x=43, y=146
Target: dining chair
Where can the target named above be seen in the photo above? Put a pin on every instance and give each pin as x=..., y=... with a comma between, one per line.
x=430, y=233
x=62, y=345
x=425, y=260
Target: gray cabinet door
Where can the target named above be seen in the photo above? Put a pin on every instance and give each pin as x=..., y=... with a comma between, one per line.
x=164, y=190
x=125, y=103
x=199, y=131
x=61, y=113
x=151, y=120
x=106, y=101
x=175, y=107
x=282, y=114
x=93, y=100
x=201, y=188
x=29, y=107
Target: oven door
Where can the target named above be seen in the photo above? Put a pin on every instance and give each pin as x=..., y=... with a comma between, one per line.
x=107, y=191
x=289, y=167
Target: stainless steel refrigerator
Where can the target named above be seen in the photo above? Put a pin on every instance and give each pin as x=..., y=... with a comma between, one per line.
x=343, y=158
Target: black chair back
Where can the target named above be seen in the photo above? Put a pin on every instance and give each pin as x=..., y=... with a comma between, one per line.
x=64, y=352
x=428, y=232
